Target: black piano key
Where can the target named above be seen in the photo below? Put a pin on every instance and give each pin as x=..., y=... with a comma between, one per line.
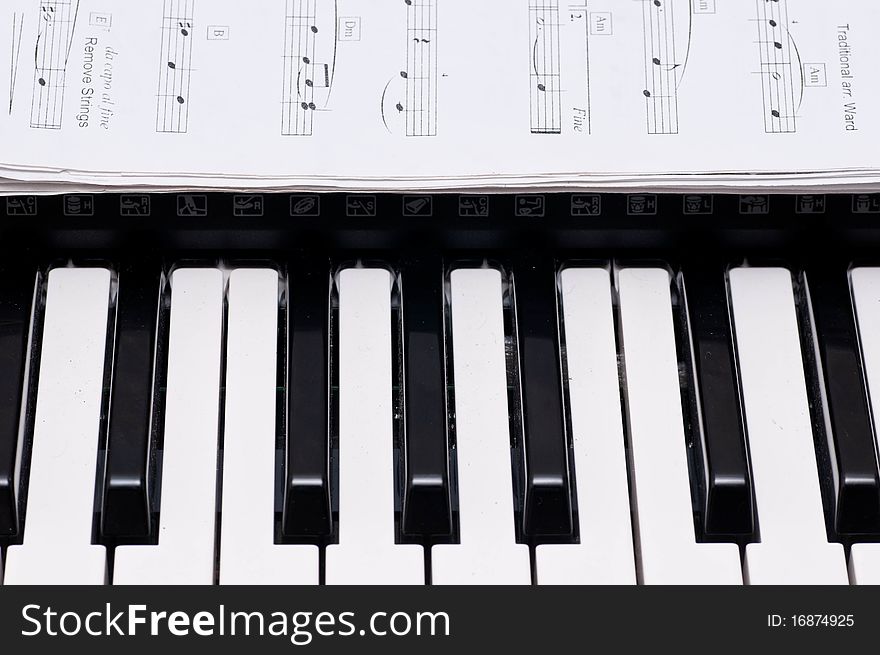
x=17, y=286
x=718, y=430
x=548, y=503
x=426, y=507
x=847, y=417
x=125, y=509
x=307, y=512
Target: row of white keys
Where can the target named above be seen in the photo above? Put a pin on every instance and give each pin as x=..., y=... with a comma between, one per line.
x=605, y=552
x=668, y=552
x=864, y=561
x=185, y=553
x=248, y=553
x=488, y=552
x=366, y=552
x=794, y=547
x=57, y=546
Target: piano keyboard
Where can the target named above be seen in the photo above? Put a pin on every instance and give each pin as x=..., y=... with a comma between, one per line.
x=445, y=420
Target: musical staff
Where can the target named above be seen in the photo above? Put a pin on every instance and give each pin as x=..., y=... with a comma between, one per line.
x=545, y=90
x=781, y=81
x=175, y=67
x=309, y=42
x=15, y=56
x=54, y=39
x=664, y=64
x=409, y=100
x=421, y=68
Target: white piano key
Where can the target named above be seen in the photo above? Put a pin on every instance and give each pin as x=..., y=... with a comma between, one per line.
x=864, y=559
x=794, y=547
x=668, y=552
x=57, y=547
x=187, y=513
x=488, y=552
x=864, y=564
x=366, y=552
x=605, y=552
x=248, y=553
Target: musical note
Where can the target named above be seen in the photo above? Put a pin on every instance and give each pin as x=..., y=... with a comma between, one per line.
x=51, y=53
x=664, y=62
x=409, y=100
x=545, y=90
x=781, y=83
x=309, y=33
x=175, y=67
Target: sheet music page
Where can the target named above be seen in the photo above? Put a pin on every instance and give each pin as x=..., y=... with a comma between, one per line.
x=392, y=92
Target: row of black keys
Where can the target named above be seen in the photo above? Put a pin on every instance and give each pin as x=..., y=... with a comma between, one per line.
x=719, y=460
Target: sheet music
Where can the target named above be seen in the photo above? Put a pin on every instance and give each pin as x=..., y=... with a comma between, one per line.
x=410, y=99
x=15, y=53
x=559, y=55
x=665, y=60
x=781, y=76
x=309, y=63
x=546, y=86
x=175, y=66
x=406, y=94
x=56, y=20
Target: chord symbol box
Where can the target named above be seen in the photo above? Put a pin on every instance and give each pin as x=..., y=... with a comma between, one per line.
x=815, y=75
x=218, y=32
x=349, y=28
x=601, y=23
x=101, y=20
